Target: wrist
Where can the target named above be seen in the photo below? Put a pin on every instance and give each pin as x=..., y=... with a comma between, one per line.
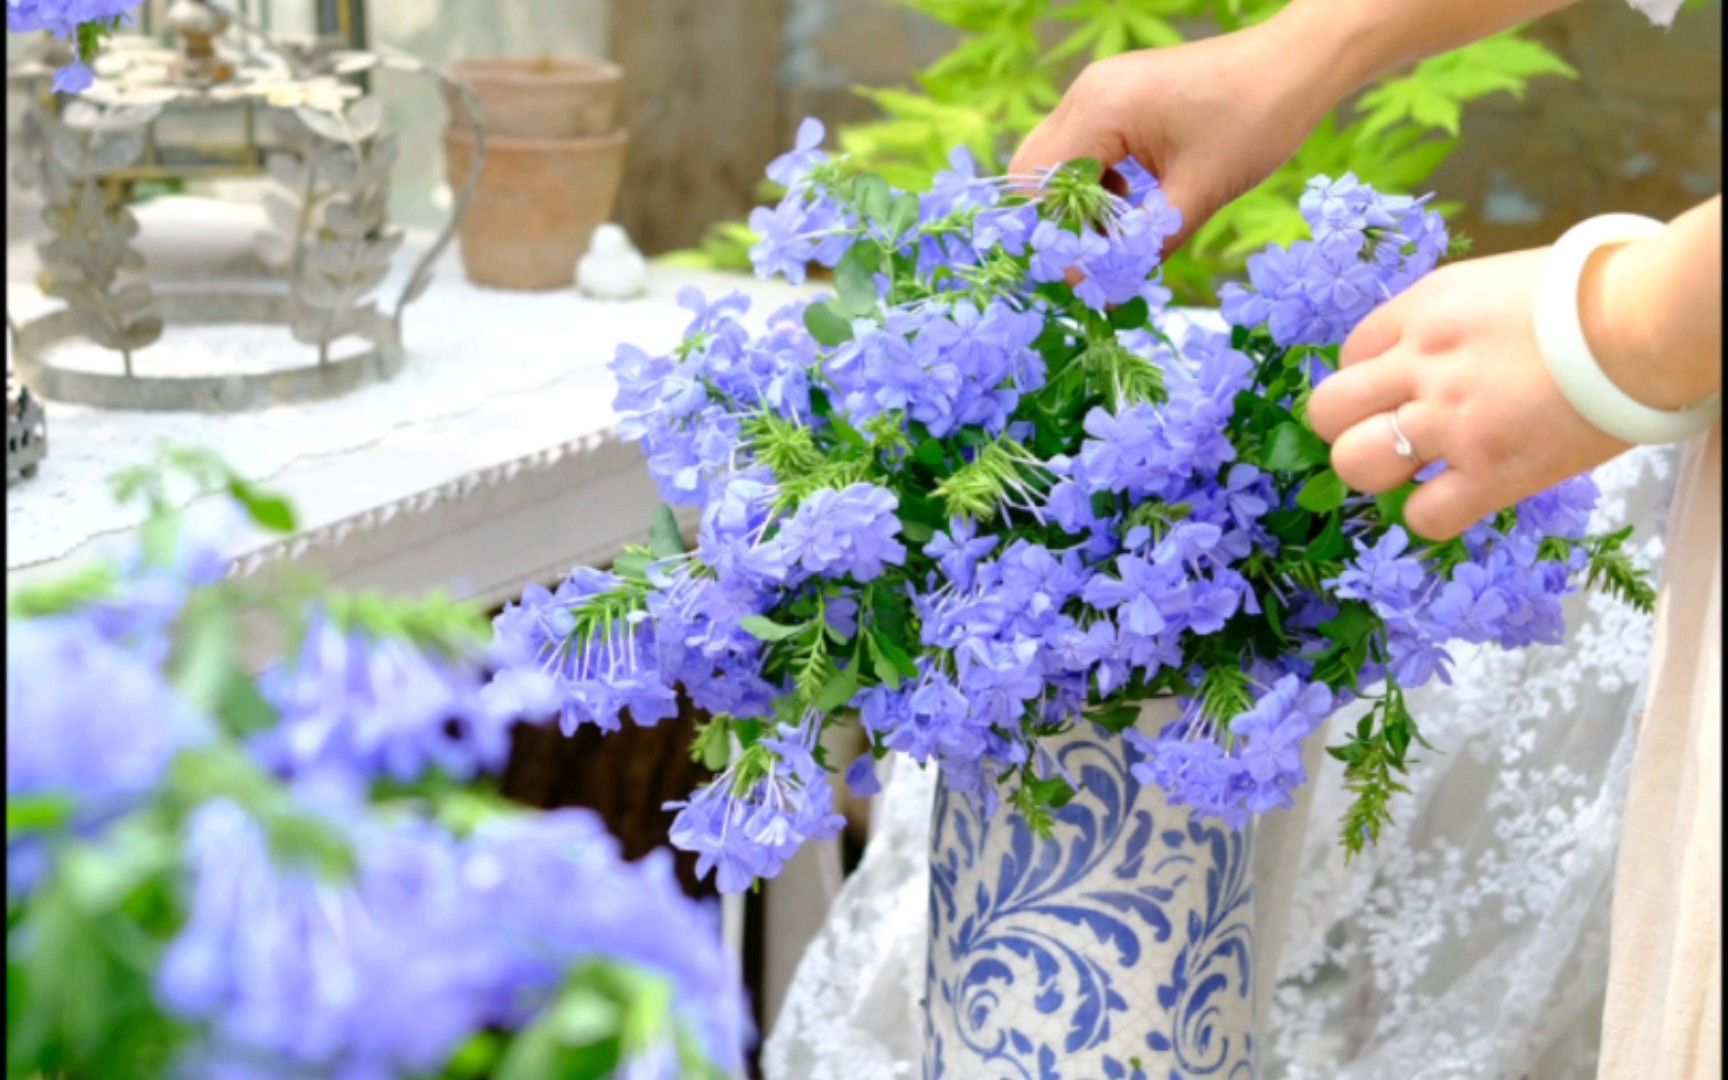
x=1333, y=48
x=1622, y=310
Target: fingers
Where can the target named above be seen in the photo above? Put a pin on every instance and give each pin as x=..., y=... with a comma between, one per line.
x=1197, y=206
x=1366, y=456
x=1445, y=506
x=1357, y=393
x=1068, y=133
x=1374, y=335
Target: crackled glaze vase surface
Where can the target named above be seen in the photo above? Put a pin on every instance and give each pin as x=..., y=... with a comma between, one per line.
x=1118, y=948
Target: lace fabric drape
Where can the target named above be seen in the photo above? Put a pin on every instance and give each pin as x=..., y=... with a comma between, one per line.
x=1471, y=943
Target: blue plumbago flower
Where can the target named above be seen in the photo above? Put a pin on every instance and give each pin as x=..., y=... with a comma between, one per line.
x=1256, y=773
x=359, y=705
x=837, y=533
x=597, y=673
x=1367, y=248
x=744, y=827
x=88, y=720
x=433, y=940
x=978, y=503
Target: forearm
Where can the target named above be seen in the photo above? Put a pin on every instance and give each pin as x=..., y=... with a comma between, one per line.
x=1338, y=46
x=1652, y=311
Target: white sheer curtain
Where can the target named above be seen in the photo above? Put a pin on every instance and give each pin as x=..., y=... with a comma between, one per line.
x=1471, y=943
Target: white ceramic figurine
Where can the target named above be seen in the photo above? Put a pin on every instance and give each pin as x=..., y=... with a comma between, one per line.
x=612, y=268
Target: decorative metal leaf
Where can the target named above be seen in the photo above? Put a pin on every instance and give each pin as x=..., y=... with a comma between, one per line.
x=139, y=333
x=115, y=152
x=365, y=117
x=283, y=210
x=352, y=63
x=308, y=327
x=136, y=297
x=354, y=218
x=323, y=124
x=319, y=291
x=93, y=325
x=286, y=169
x=386, y=149
x=367, y=276
x=81, y=116
x=339, y=166
x=67, y=148
x=273, y=249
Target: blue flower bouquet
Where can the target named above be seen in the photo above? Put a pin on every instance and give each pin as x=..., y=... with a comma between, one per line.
x=992, y=489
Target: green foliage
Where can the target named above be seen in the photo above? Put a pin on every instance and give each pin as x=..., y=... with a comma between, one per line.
x=605, y=1016
x=1612, y=571
x=1014, y=56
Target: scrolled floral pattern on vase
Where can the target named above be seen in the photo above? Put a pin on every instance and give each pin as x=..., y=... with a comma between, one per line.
x=1120, y=947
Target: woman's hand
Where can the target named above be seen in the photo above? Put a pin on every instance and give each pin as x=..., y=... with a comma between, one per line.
x=1456, y=357
x=1211, y=119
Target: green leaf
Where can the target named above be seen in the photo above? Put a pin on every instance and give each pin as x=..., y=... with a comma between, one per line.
x=765, y=629
x=1116, y=718
x=1351, y=626
x=904, y=216
x=1130, y=316
x=896, y=658
x=269, y=510
x=665, y=539
x=1293, y=448
x=838, y=690
x=1290, y=525
x=632, y=565
x=1270, y=604
x=1323, y=493
x=81, y=587
x=36, y=813
x=855, y=279
x=1329, y=544
x=1391, y=503
x=875, y=197
x=205, y=657
x=1052, y=791
x=917, y=532
x=827, y=324
x=242, y=709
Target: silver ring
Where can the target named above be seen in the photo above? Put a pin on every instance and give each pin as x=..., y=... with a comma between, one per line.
x=1401, y=441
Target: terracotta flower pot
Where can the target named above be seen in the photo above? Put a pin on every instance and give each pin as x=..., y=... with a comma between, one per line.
x=539, y=99
x=536, y=206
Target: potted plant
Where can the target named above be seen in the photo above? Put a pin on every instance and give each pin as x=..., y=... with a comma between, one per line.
x=553, y=160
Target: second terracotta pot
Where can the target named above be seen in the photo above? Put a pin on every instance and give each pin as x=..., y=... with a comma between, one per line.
x=536, y=206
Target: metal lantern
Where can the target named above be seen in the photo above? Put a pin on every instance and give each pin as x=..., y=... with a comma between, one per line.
x=307, y=122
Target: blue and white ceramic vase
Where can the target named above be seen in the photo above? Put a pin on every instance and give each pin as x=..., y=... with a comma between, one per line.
x=1118, y=948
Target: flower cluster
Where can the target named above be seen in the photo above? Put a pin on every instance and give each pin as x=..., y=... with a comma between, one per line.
x=436, y=938
x=1367, y=248
x=291, y=875
x=971, y=504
